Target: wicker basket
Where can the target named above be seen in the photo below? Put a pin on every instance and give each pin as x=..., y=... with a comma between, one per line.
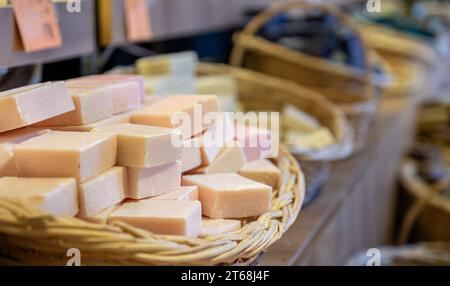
x=259, y=92
x=352, y=88
x=410, y=59
x=428, y=214
x=29, y=237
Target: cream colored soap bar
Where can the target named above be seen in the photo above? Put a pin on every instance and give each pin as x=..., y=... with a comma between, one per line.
x=317, y=139
x=294, y=118
x=7, y=142
x=184, y=112
x=215, y=137
x=102, y=217
x=162, y=216
x=81, y=155
x=103, y=191
x=90, y=105
x=230, y=160
x=219, y=226
x=191, y=156
x=182, y=194
x=230, y=195
x=31, y=104
x=142, y=146
x=149, y=182
x=174, y=63
x=116, y=119
x=57, y=196
x=263, y=171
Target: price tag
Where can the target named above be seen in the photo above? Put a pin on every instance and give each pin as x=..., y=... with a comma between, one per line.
x=37, y=23
x=137, y=18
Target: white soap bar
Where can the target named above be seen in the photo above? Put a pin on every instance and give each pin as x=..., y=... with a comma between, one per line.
x=211, y=227
x=57, y=196
x=162, y=216
x=101, y=192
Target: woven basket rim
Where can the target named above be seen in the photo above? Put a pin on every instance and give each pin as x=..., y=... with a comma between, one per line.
x=342, y=131
x=32, y=237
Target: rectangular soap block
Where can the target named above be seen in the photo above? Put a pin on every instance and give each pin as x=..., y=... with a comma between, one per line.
x=7, y=142
x=296, y=119
x=125, y=96
x=189, y=193
x=191, y=155
x=231, y=159
x=162, y=216
x=317, y=139
x=263, y=171
x=103, y=191
x=211, y=227
x=258, y=143
x=214, y=138
x=174, y=63
x=90, y=105
x=102, y=217
x=81, y=155
x=116, y=119
x=184, y=112
x=141, y=146
x=150, y=182
x=57, y=196
x=28, y=105
x=230, y=195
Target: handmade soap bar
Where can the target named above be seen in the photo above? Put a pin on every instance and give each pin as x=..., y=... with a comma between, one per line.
x=317, y=139
x=102, y=217
x=7, y=142
x=219, y=226
x=149, y=182
x=263, y=171
x=125, y=96
x=103, y=191
x=294, y=118
x=110, y=79
x=81, y=155
x=184, y=112
x=191, y=156
x=116, y=119
x=258, y=143
x=90, y=105
x=142, y=146
x=174, y=63
x=31, y=104
x=230, y=160
x=57, y=196
x=162, y=216
x=230, y=195
x=215, y=137
x=189, y=193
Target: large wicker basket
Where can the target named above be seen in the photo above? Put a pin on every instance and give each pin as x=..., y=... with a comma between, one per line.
x=30, y=237
x=352, y=89
x=259, y=92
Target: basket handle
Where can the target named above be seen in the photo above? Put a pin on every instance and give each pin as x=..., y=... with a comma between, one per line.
x=258, y=21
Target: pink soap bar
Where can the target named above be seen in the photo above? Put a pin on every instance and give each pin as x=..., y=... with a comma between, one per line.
x=191, y=156
x=162, y=216
x=189, y=193
x=230, y=195
x=216, y=137
x=150, y=182
x=184, y=112
x=115, y=78
x=258, y=143
x=125, y=96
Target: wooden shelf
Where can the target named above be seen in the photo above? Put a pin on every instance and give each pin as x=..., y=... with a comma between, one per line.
x=78, y=32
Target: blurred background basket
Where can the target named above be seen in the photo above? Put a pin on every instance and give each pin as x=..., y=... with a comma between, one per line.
x=259, y=92
x=347, y=86
x=30, y=237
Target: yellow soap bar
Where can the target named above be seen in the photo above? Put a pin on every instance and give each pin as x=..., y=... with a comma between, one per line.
x=162, y=216
x=103, y=191
x=28, y=105
x=263, y=171
x=142, y=146
x=230, y=195
x=57, y=196
x=317, y=139
x=184, y=112
x=212, y=227
x=294, y=118
x=81, y=155
x=149, y=182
